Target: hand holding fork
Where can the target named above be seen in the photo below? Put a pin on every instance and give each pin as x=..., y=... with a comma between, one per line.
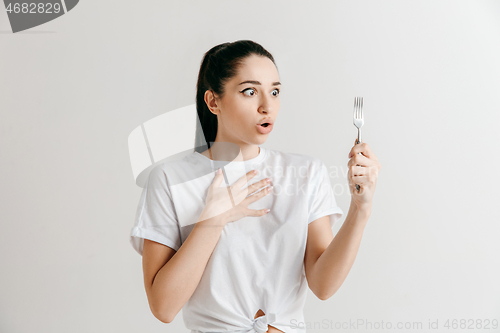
x=363, y=164
x=358, y=121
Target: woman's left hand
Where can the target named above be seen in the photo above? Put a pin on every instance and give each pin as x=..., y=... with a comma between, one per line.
x=363, y=170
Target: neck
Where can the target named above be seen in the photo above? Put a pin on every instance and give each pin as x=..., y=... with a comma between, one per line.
x=227, y=151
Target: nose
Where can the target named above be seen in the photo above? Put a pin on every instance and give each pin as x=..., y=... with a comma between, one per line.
x=266, y=105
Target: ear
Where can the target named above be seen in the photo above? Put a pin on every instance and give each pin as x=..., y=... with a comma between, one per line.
x=211, y=102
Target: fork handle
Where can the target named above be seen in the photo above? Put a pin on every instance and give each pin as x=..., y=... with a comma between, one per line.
x=358, y=141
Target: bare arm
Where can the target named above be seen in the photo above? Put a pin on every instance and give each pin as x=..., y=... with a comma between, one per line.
x=171, y=277
x=327, y=261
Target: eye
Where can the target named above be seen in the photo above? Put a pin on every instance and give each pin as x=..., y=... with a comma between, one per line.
x=277, y=91
x=248, y=89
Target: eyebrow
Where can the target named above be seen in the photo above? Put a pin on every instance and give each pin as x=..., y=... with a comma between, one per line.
x=257, y=82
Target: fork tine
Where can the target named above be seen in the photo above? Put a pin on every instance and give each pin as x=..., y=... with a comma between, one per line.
x=360, y=107
x=357, y=109
x=356, y=104
x=361, y=110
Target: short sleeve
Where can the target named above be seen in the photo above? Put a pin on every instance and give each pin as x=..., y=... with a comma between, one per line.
x=155, y=218
x=321, y=200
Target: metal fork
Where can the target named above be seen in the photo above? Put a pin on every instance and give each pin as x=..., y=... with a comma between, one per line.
x=358, y=121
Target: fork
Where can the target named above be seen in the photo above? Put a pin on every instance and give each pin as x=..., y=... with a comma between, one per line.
x=358, y=121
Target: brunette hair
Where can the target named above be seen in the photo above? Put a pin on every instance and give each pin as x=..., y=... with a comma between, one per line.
x=219, y=65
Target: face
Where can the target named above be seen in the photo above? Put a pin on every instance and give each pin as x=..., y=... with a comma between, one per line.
x=250, y=98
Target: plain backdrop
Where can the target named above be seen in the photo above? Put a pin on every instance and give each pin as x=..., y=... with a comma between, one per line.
x=73, y=89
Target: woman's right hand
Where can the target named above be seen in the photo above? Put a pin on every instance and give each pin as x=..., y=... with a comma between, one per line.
x=219, y=204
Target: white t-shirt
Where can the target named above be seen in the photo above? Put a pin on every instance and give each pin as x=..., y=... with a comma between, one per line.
x=258, y=262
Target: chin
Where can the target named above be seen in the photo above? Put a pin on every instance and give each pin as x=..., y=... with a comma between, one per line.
x=261, y=141
x=258, y=141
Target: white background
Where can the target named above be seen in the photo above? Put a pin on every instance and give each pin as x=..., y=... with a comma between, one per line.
x=73, y=89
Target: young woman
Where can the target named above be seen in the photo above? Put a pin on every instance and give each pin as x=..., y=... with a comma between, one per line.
x=209, y=242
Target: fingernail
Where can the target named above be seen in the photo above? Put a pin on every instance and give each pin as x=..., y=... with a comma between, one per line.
x=219, y=171
x=269, y=188
x=268, y=210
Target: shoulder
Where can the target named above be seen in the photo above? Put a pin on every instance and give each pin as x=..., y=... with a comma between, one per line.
x=295, y=159
x=173, y=172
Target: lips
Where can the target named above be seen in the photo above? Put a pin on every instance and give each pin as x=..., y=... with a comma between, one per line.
x=263, y=129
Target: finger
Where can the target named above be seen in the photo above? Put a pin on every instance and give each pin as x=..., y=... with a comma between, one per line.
x=355, y=143
x=358, y=170
x=367, y=151
x=256, y=196
x=357, y=148
x=364, y=149
x=260, y=212
x=353, y=151
x=257, y=185
x=244, y=179
x=360, y=160
x=218, y=179
x=363, y=161
x=359, y=180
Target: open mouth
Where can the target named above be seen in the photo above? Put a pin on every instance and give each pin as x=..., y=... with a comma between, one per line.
x=264, y=128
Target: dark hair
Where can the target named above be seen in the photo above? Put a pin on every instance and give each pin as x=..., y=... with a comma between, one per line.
x=219, y=65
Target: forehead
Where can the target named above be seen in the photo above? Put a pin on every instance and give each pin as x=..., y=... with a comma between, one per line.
x=257, y=68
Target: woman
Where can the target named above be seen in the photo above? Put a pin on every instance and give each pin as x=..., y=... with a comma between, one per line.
x=218, y=252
